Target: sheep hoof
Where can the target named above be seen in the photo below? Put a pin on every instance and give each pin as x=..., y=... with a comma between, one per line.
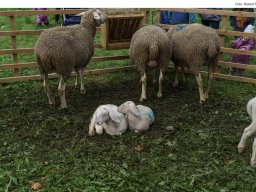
x=64, y=106
x=159, y=94
x=82, y=91
x=154, y=81
x=175, y=84
x=142, y=99
x=240, y=150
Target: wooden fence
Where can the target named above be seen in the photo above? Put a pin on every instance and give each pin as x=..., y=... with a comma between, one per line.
x=13, y=33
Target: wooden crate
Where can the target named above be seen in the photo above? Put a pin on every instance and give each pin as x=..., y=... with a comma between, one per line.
x=117, y=31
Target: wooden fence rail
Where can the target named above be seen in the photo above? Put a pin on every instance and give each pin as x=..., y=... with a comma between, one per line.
x=14, y=51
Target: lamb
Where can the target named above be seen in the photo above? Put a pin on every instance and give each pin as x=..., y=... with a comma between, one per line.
x=194, y=45
x=150, y=48
x=249, y=131
x=61, y=49
x=139, y=117
x=106, y=117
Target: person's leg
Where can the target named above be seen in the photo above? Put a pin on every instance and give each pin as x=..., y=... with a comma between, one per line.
x=38, y=21
x=215, y=24
x=45, y=20
x=206, y=22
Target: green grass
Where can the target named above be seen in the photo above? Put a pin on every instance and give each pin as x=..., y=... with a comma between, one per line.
x=186, y=149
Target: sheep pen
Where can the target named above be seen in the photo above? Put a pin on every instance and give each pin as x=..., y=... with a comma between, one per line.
x=186, y=149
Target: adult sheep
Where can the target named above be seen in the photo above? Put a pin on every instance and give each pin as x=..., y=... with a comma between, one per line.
x=193, y=46
x=150, y=48
x=62, y=49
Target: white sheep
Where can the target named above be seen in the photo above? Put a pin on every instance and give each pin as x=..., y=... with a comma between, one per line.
x=249, y=131
x=106, y=117
x=139, y=117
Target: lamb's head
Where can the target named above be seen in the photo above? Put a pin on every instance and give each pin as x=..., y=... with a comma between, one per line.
x=105, y=114
x=127, y=107
x=92, y=14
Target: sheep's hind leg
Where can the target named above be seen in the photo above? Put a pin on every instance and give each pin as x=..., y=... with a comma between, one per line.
x=253, y=158
x=144, y=86
x=210, y=77
x=161, y=77
x=47, y=89
x=200, y=87
x=182, y=75
x=82, y=89
x=248, y=131
x=61, y=90
x=77, y=78
x=176, y=81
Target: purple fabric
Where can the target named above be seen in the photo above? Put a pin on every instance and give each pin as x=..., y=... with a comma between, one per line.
x=41, y=18
x=241, y=43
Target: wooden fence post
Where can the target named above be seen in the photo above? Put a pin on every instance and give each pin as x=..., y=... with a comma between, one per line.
x=14, y=46
x=222, y=40
x=157, y=16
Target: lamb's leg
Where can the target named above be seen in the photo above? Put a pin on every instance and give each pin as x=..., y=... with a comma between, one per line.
x=144, y=86
x=47, y=89
x=176, y=72
x=61, y=90
x=200, y=87
x=77, y=78
x=248, y=131
x=253, y=158
x=210, y=77
x=82, y=89
x=92, y=128
x=161, y=77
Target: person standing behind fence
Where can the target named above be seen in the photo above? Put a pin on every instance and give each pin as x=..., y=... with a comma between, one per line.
x=41, y=18
x=174, y=17
x=242, y=43
x=211, y=20
x=240, y=23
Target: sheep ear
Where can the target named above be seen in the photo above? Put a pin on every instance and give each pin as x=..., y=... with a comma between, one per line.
x=96, y=15
x=135, y=110
x=113, y=116
x=80, y=14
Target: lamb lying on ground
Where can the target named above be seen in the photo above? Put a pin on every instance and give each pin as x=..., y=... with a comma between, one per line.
x=106, y=117
x=139, y=117
x=249, y=131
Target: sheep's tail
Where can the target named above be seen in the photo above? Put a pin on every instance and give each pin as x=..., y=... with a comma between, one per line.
x=153, y=54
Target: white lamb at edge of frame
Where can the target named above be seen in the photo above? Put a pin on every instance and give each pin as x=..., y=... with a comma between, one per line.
x=106, y=117
x=249, y=131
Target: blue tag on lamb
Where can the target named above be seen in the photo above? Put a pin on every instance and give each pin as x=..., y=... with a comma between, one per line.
x=150, y=116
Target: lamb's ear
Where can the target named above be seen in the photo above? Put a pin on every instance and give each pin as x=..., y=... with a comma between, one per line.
x=113, y=116
x=135, y=110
